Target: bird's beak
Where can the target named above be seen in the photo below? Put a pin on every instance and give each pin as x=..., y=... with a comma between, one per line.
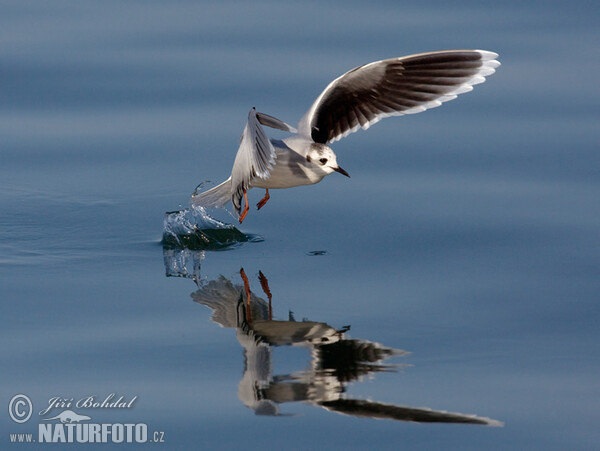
x=341, y=171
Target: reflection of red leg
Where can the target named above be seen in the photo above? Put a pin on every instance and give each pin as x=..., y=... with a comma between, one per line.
x=247, y=287
x=264, y=200
x=246, y=208
x=264, y=283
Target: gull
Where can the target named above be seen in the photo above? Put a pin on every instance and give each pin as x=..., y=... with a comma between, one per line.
x=358, y=99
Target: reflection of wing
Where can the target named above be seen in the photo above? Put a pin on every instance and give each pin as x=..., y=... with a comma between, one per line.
x=223, y=297
x=285, y=333
x=393, y=87
x=368, y=409
x=351, y=359
x=255, y=158
x=333, y=366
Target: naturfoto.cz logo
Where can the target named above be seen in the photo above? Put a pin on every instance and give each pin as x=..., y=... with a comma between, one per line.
x=69, y=426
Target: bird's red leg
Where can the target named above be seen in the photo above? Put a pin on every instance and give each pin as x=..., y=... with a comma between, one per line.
x=246, y=208
x=264, y=200
x=264, y=283
x=247, y=287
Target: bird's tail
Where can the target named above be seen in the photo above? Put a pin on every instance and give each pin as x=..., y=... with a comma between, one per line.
x=214, y=197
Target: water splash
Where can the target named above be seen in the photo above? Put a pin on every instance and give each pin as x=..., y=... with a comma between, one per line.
x=195, y=229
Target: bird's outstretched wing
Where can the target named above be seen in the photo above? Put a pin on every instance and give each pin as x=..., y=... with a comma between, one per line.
x=273, y=122
x=255, y=158
x=393, y=87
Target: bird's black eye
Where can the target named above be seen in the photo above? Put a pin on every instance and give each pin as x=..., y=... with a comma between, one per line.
x=323, y=160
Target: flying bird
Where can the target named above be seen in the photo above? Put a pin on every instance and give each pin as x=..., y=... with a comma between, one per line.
x=357, y=99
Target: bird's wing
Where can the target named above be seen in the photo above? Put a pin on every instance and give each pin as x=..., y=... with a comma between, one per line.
x=255, y=158
x=273, y=122
x=393, y=87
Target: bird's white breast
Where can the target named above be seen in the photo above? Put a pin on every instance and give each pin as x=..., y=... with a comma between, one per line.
x=291, y=169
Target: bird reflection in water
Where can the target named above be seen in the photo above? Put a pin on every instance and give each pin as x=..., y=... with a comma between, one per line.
x=336, y=361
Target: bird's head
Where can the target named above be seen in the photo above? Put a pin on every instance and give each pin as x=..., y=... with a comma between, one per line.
x=322, y=158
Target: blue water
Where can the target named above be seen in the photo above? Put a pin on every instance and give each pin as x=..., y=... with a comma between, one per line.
x=468, y=236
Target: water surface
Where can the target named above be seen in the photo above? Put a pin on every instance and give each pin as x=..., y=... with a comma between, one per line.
x=467, y=237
